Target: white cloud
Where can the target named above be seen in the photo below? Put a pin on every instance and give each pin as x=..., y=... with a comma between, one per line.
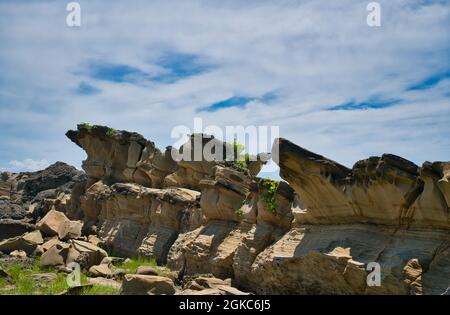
x=28, y=165
x=315, y=54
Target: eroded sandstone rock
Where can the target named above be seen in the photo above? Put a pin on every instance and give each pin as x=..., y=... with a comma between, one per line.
x=121, y=156
x=146, y=285
x=316, y=235
x=136, y=220
x=51, y=223
x=385, y=190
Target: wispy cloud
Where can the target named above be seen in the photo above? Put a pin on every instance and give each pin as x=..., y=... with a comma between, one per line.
x=28, y=165
x=148, y=66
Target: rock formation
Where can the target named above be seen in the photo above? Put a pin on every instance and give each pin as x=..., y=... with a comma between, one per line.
x=319, y=234
x=26, y=197
x=325, y=229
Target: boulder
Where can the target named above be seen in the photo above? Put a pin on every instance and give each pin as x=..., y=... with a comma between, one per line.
x=17, y=243
x=102, y=270
x=5, y=275
x=59, y=255
x=51, y=223
x=56, y=175
x=34, y=237
x=145, y=285
x=201, y=283
x=93, y=239
x=11, y=228
x=47, y=245
x=146, y=270
x=111, y=260
x=77, y=290
x=94, y=254
x=70, y=230
x=18, y=254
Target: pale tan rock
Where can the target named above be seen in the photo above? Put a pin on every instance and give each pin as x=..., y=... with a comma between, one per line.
x=144, y=285
x=136, y=220
x=70, y=230
x=17, y=243
x=34, y=237
x=121, y=156
x=59, y=255
x=47, y=245
x=146, y=270
x=51, y=222
x=385, y=190
x=18, y=254
x=329, y=224
x=102, y=270
x=94, y=240
x=94, y=254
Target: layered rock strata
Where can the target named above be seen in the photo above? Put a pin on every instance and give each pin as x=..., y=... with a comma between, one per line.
x=320, y=232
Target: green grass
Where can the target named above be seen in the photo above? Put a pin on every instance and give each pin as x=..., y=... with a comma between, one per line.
x=25, y=285
x=100, y=290
x=132, y=264
x=269, y=196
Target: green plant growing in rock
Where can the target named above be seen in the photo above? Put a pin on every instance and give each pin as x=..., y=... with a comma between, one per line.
x=241, y=161
x=111, y=132
x=87, y=126
x=269, y=195
x=239, y=212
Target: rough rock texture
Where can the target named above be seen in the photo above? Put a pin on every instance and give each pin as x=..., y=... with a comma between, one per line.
x=54, y=176
x=26, y=197
x=121, y=156
x=330, y=243
x=146, y=285
x=316, y=233
x=385, y=190
x=52, y=222
x=210, y=249
x=133, y=219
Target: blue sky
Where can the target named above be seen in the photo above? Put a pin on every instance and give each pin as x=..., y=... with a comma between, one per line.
x=334, y=85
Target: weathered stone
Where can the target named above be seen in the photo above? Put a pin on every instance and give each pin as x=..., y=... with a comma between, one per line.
x=11, y=228
x=121, y=156
x=34, y=237
x=69, y=230
x=144, y=285
x=18, y=254
x=145, y=221
x=56, y=175
x=47, y=245
x=50, y=224
x=315, y=235
x=102, y=270
x=94, y=254
x=146, y=270
x=17, y=243
x=59, y=255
